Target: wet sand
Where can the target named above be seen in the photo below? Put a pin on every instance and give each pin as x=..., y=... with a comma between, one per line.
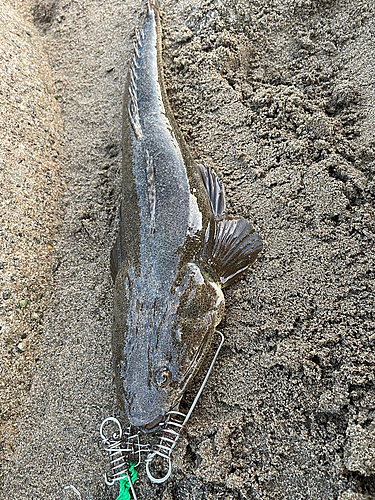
x=280, y=98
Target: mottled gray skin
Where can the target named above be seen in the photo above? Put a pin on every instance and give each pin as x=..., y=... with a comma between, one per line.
x=166, y=303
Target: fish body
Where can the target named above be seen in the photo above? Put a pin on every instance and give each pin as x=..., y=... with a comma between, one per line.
x=175, y=248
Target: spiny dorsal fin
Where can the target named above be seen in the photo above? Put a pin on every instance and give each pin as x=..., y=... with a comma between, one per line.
x=214, y=188
x=133, y=109
x=231, y=246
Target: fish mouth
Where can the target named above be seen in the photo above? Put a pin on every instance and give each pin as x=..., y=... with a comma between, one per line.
x=154, y=425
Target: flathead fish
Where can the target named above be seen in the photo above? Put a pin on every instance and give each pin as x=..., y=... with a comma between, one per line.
x=176, y=249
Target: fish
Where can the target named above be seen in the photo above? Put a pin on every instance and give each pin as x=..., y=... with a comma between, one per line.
x=175, y=251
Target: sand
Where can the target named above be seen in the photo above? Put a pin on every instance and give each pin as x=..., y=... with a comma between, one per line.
x=280, y=98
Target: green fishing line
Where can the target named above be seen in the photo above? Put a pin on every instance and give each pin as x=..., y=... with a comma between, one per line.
x=124, y=493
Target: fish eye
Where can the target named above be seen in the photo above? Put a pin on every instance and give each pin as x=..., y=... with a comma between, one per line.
x=163, y=377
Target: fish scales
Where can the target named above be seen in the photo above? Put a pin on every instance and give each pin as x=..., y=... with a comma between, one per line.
x=175, y=249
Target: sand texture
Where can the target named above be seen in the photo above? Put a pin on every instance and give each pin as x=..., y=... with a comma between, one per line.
x=279, y=96
x=30, y=190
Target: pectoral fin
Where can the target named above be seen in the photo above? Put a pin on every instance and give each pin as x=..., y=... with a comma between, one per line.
x=232, y=245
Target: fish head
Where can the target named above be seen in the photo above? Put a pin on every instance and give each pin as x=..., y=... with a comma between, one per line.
x=165, y=346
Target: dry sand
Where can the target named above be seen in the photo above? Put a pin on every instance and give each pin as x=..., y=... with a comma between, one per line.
x=280, y=97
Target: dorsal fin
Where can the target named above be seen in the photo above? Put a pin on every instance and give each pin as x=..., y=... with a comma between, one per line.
x=214, y=188
x=231, y=246
x=133, y=108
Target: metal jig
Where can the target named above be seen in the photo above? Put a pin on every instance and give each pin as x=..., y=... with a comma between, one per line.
x=173, y=427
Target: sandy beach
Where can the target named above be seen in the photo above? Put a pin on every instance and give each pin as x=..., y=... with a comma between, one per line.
x=279, y=96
